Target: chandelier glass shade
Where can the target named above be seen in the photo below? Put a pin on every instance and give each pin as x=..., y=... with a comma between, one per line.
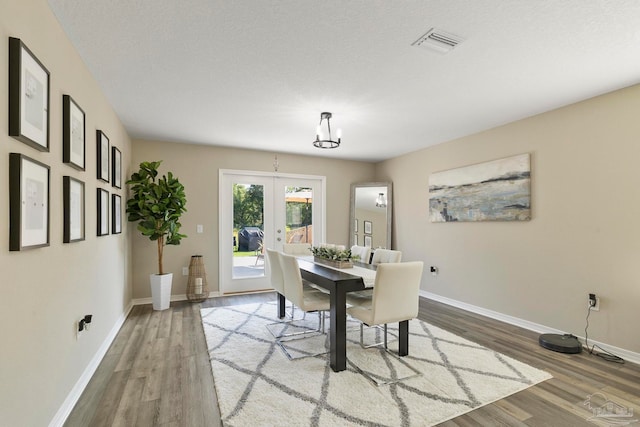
x=323, y=133
x=381, y=201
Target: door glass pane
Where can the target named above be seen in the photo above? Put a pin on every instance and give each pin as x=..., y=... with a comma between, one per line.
x=299, y=214
x=248, y=230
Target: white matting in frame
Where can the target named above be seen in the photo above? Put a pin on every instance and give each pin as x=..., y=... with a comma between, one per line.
x=116, y=214
x=103, y=212
x=28, y=203
x=73, y=197
x=116, y=167
x=28, y=97
x=103, y=152
x=73, y=133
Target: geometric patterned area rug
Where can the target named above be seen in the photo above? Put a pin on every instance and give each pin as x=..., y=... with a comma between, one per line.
x=258, y=385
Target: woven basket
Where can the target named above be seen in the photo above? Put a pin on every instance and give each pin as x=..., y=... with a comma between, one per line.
x=197, y=286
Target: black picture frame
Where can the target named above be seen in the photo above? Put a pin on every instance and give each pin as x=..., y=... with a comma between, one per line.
x=73, y=134
x=29, y=91
x=116, y=214
x=367, y=240
x=29, y=208
x=73, y=200
x=116, y=167
x=102, y=212
x=102, y=154
x=368, y=227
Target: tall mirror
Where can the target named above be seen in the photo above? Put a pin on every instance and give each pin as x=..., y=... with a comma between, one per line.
x=371, y=214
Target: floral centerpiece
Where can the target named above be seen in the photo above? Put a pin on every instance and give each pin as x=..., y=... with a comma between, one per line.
x=337, y=256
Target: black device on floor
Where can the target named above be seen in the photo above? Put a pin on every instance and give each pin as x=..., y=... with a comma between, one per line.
x=566, y=343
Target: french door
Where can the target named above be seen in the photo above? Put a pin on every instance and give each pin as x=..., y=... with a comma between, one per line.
x=260, y=210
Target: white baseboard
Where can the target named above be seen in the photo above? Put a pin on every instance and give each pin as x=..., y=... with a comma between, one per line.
x=180, y=297
x=73, y=396
x=76, y=392
x=536, y=327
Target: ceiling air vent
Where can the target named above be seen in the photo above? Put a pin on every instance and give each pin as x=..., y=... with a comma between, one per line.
x=438, y=40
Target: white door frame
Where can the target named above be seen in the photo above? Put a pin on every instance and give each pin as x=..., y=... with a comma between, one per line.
x=225, y=217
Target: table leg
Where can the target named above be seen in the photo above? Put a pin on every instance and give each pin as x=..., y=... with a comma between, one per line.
x=403, y=344
x=338, y=329
x=281, y=305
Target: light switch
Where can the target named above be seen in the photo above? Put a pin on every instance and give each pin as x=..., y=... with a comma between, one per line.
x=199, y=228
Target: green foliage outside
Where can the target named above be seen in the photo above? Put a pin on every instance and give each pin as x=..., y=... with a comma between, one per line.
x=248, y=210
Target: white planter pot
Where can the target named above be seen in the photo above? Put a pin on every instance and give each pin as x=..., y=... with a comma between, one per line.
x=161, y=290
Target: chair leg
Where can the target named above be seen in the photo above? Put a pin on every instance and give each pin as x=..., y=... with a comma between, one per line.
x=290, y=319
x=385, y=342
x=301, y=335
x=385, y=337
x=386, y=350
x=319, y=330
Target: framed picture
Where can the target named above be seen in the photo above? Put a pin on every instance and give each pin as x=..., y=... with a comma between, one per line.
x=73, y=201
x=116, y=167
x=102, y=151
x=28, y=203
x=355, y=239
x=367, y=241
x=355, y=225
x=116, y=214
x=73, y=133
x=28, y=97
x=497, y=190
x=367, y=227
x=103, y=212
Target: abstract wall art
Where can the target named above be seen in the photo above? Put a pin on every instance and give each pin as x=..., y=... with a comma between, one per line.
x=499, y=190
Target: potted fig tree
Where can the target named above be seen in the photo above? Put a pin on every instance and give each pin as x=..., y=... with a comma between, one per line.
x=156, y=204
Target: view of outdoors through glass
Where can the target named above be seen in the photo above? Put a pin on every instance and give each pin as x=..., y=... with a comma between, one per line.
x=248, y=224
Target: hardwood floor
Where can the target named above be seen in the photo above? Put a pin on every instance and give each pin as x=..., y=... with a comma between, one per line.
x=157, y=373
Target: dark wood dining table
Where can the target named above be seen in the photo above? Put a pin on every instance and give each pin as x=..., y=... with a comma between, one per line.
x=339, y=283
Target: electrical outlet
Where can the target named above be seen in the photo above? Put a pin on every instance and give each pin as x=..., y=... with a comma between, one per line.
x=87, y=321
x=80, y=328
x=593, y=302
x=199, y=228
x=185, y=271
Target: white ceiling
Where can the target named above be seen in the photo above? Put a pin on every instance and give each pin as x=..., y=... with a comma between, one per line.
x=257, y=74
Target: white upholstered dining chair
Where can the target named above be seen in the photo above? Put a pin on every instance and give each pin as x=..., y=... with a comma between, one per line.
x=395, y=298
x=362, y=252
x=386, y=255
x=307, y=300
x=297, y=248
x=277, y=282
x=302, y=249
x=380, y=256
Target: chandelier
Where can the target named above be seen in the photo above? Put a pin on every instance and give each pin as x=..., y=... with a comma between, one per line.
x=323, y=133
x=381, y=201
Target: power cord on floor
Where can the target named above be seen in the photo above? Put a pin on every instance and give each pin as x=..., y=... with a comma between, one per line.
x=604, y=354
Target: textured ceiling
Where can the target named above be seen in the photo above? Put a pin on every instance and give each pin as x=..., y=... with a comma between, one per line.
x=257, y=74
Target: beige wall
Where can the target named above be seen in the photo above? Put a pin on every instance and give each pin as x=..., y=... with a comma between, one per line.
x=584, y=236
x=197, y=167
x=378, y=226
x=44, y=292
x=585, y=232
